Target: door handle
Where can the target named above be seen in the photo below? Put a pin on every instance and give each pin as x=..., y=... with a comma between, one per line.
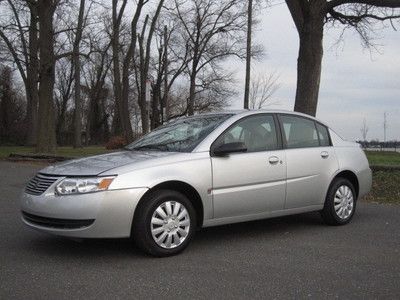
x=273, y=160
x=324, y=154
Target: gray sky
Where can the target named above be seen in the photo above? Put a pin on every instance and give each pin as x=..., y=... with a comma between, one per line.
x=355, y=84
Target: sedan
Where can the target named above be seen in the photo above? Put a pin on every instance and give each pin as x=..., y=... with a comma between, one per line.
x=201, y=171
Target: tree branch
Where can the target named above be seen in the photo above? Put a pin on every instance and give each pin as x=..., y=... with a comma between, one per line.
x=377, y=3
x=353, y=20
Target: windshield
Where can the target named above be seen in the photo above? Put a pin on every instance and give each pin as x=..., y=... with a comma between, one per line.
x=182, y=135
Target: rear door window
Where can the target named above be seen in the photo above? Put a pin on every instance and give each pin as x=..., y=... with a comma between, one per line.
x=323, y=135
x=299, y=132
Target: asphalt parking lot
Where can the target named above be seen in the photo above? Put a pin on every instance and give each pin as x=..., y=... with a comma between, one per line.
x=290, y=257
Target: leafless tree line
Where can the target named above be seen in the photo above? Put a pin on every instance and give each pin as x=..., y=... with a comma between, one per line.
x=124, y=67
x=116, y=68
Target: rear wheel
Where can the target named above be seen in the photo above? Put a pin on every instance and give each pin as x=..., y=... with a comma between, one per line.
x=164, y=224
x=340, y=202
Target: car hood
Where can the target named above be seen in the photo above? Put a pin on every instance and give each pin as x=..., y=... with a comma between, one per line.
x=95, y=165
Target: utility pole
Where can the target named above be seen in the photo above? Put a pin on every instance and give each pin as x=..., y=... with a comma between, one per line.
x=384, y=125
x=165, y=104
x=248, y=54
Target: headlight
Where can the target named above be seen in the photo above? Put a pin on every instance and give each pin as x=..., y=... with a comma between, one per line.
x=70, y=186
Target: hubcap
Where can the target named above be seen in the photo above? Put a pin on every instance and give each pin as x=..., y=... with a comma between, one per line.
x=170, y=224
x=344, y=202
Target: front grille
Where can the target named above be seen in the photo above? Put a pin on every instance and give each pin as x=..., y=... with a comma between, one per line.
x=39, y=184
x=56, y=223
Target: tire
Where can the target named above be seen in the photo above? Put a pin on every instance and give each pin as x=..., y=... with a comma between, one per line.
x=340, y=202
x=173, y=224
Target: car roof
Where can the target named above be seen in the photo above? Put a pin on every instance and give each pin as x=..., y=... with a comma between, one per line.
x=245, y=112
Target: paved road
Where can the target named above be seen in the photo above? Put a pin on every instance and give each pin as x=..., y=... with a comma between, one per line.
x=291, y=257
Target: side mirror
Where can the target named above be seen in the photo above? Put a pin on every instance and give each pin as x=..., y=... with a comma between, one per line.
x=225, y=149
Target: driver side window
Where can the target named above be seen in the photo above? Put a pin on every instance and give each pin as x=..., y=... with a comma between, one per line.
x=258, y=133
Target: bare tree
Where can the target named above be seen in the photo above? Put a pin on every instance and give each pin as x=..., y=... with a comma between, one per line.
x=214, y=31
x=364, y=130
x=63, y=91
x=144, y=61
x=213, y=96
x=76, y=62
x=97, y=111
x=121, y=81
x=11, y=108
x=23, y=49
x=262, y=89
x=174, y=63
x=161, y=77
x=185, y=49
x=310, y=17
x=167, y=65
x=32, y=76
x=97, y=91
x=46, y=142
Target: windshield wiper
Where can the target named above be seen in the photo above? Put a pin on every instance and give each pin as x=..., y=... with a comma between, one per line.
x=151, y=146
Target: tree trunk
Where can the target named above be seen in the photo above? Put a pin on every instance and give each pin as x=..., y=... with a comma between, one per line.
x=124, y=107
x=125, y=117
x=124, y=113
x=77, y=79
x=6, y=95
x=192, y=94
x=248, y=54
x=144, y=66
x=144, y=112
x=155, y=104
x=121, y=87
x=116, y=70
x=116, y=127
x=60, y=123
x=309, y=61
x=46, y=142
x=193, y=75
x=32, y=79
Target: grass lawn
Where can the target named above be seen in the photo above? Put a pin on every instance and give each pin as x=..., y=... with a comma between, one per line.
x=385, y=187
x=61, y=151
x=383, y=158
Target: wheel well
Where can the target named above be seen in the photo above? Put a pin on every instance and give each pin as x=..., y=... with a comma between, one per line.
x=349, y=175
x=184, y=188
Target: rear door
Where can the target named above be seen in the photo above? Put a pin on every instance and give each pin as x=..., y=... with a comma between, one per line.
x=310, y=160
x=252, y=182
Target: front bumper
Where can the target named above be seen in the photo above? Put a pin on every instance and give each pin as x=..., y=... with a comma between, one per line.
x=110, y=212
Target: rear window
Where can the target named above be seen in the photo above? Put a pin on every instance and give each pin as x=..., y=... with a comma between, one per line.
x=323, y=135
x=299, y=132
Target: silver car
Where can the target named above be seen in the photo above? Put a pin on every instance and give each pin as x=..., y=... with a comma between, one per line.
x=201, y=171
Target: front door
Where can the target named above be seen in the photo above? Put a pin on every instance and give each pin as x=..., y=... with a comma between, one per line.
x=252, y=182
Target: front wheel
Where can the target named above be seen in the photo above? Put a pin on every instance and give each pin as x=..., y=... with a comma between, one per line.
x=164, y=224
x=340, y=202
